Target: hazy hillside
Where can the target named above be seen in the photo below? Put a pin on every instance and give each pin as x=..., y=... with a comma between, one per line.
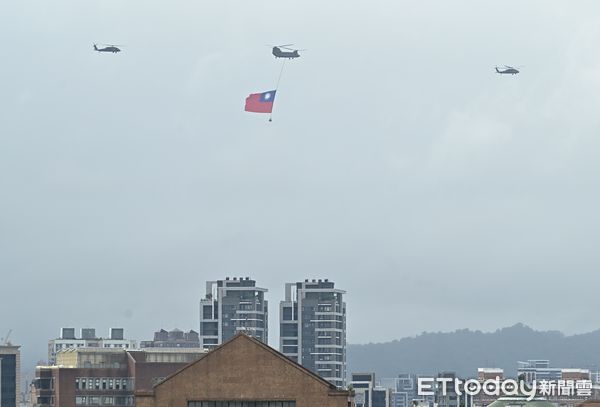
x=464, y=351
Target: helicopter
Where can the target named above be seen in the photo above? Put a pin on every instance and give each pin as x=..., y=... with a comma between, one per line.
x=108, y=48
x=290, y=54
x=507, y=70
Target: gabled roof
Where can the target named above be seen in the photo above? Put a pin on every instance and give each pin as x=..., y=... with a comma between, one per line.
x=245, y=337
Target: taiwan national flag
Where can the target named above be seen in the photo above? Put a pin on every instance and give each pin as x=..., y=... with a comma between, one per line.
x=260, y=102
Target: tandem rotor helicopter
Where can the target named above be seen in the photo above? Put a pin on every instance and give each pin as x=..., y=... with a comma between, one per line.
x=108, y=48
x=291, y=53
x=507, y=70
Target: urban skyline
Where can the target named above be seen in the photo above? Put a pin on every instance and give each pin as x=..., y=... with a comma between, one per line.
x=30, y=358
x=386, y=390
x=116, y=335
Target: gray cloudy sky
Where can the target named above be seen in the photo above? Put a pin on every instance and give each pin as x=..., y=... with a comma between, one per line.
x=398, y=164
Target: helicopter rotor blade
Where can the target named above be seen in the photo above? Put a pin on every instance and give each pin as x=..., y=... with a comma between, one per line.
x=278, y=46
x=293, y=49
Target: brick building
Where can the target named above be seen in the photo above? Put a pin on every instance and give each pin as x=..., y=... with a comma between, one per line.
x=105, y=377
x=244, y=372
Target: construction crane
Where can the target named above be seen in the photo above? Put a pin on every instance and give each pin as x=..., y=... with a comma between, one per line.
x=5, y=341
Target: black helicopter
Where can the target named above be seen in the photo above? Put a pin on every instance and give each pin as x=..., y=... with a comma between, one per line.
x=290, y=53
x=107, y=48
x=507, y=70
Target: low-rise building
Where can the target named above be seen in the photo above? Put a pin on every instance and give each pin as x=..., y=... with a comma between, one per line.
x=173, y=339
x=367, y=393
x=575, y=374
x=538, y=369
x=244, y=372
x=490, y=373
x=87, y=339
x=447, y=396
x=405, y=390
x=105, y=377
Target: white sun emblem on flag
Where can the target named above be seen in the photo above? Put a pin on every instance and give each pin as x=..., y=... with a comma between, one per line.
x=267, y=96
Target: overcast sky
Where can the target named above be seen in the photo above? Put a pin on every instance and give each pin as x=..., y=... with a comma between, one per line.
x=439, y=194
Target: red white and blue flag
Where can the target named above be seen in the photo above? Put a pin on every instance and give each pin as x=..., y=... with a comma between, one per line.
x=260, y=102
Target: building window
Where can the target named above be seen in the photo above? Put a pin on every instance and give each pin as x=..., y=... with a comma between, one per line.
x=124, y=401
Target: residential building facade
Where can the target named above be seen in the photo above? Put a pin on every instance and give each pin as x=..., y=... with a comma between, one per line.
x=232, y=306
x=313, y=328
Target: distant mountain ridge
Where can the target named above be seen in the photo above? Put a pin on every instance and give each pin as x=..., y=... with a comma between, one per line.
x=463, y=351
